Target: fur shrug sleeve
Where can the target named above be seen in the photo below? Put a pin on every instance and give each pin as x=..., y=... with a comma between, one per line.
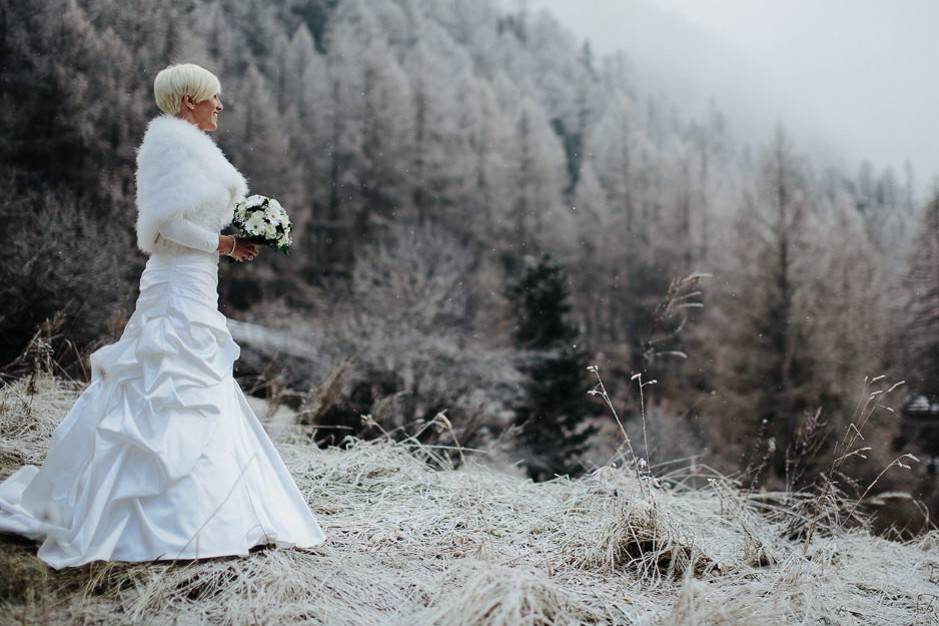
x=181, y=172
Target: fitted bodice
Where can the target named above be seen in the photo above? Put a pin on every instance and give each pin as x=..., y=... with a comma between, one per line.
x=186, y=234
x=165, y=247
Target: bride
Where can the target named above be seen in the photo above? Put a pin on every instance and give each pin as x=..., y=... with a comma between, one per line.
x=161, y=457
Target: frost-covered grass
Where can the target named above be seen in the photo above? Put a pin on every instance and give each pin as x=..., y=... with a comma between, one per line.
x=409, y=542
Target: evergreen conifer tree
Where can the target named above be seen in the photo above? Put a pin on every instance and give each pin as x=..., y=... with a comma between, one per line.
x=552, y=418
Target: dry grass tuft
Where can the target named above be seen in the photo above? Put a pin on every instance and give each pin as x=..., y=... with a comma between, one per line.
x=641, y=539
x=496, y=595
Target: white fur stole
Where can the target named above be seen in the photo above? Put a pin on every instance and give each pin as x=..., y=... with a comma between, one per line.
x=181, y=172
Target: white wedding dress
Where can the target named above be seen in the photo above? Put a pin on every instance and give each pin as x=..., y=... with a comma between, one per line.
x=161, y=457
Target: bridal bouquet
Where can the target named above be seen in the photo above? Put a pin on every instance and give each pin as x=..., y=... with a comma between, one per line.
x=263, y=220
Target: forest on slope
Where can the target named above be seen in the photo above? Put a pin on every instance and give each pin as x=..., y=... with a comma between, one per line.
x=429, y=153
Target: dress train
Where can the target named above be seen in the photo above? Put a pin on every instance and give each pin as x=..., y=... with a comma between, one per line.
x=161, y=456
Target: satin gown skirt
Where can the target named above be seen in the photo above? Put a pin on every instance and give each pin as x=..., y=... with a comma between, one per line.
x=160, y=457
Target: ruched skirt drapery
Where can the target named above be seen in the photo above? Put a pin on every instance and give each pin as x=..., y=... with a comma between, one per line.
x=161, y=456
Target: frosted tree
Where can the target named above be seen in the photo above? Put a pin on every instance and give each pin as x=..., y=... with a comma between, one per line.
x=922, y=326
x=848, y=290
x=614, y=145
x=480, y=193
x=220, y=39
x=262, y=37
x=114, y=135
x=372, y=128
x=617, y=145
x=386, y=133
x=256, y=134
x=436, y=163
x=909, y=186
x=315, y=15
x=156, y=33
x=589, y=260
x=487, y=139
x=71, y=112
x=711, y=171
x=397, y=21
x=472, y=24
x=303, y=73
x=771, y=367
x=536, y=175
x=256, y=140
x=574, y=125
x=866, y=186
x=306, y=100
x=340, y=109
x=681, y=209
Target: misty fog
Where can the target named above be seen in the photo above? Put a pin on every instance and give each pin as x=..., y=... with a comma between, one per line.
x=852, y=79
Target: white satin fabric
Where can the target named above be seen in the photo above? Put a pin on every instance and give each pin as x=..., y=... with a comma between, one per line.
x=161, y=456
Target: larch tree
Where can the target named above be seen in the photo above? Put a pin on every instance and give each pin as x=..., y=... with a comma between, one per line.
x=536, y=175
x=921, y=337
x=486, y=141
x=372, y=99
x=767, y=328
x=621, y=153
x=849, y=290
x=589, y=259
x=436, y=163
x=306, y=89
x=258, y=137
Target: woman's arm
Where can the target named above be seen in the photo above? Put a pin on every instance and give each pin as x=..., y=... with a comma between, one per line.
x=187, y=233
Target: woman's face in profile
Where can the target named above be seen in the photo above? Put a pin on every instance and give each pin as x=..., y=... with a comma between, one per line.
x=205, y=113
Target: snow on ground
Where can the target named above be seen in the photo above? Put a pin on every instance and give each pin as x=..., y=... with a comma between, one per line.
x=409, y=542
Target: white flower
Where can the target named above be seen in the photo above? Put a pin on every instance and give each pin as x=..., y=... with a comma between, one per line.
x=255, y=223
x=255, y=200
x=275, y=217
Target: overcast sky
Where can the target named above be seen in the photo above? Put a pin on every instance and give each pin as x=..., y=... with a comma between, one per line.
x=851, y=78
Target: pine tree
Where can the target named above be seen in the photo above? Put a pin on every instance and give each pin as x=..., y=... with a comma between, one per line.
x=552, y=419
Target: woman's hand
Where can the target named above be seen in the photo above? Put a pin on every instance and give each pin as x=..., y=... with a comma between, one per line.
x=244, y=250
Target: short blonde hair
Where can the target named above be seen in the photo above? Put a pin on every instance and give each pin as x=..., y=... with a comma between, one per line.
x=175, y=81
